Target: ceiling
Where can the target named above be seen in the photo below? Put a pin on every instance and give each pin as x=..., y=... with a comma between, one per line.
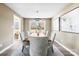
x=37, y=10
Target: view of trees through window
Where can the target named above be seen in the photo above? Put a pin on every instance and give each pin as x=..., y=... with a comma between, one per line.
x=37, y=24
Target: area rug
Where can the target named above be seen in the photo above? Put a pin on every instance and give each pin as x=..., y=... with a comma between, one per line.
x=18, y=52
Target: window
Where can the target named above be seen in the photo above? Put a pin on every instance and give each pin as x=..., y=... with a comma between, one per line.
x=16, y=26
x=37, y=24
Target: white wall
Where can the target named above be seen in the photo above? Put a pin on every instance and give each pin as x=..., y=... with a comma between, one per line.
x=69, y=40
x=6, y=26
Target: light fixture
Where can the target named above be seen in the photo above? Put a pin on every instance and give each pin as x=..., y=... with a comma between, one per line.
x=37, y=11
x=37, y=19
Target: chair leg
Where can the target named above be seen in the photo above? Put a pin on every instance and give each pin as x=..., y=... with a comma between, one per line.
x=52, y=50
x=22, y=48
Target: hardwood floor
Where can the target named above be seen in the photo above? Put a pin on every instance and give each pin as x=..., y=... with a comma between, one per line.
x=11, y=50
x=64, y=51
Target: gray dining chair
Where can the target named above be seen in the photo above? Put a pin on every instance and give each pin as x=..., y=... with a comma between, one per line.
x=25, y=43
x=51, y=42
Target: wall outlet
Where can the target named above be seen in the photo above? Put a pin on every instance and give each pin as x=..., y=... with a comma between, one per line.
x=1, y=45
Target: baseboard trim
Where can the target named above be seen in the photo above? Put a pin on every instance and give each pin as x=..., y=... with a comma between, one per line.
x=6, y=48
x=67, y=48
